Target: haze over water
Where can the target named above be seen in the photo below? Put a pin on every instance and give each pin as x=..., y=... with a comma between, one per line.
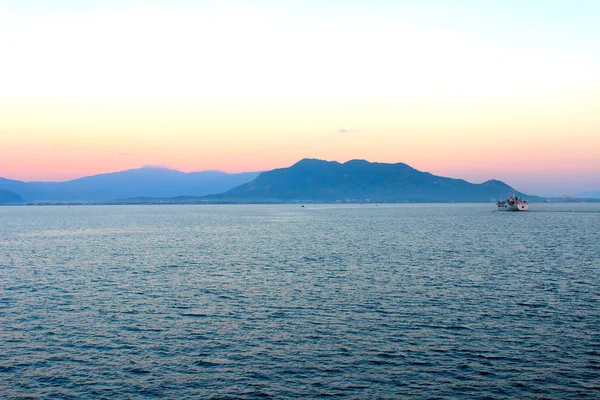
x=415, y=301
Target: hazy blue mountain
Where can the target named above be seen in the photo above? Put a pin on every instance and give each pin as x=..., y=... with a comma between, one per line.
x=359, y=180
x=141, y=182
x=8, y=197
x=594, y=194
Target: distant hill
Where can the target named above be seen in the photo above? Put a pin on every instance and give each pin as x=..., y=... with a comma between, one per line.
x=8, y=197
x=141, y=182
x=594, y=194
x=359, y=180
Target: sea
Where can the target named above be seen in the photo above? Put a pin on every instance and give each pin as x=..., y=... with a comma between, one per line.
x=372, y=301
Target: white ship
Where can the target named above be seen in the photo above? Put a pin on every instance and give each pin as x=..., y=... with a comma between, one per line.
x=512, y=203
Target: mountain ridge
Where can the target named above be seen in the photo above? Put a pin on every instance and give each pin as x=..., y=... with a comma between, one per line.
x=361, y=180
x=9, y=197
x=136, y=182
x=308, y=180
x=593, y=194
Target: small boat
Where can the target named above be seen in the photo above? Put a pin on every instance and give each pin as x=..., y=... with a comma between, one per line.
x=512, y=203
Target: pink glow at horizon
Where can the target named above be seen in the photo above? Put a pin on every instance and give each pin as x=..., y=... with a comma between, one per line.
x=540, y=175
x=468, y=91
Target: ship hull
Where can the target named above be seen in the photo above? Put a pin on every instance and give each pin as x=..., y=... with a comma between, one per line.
x=514, y=207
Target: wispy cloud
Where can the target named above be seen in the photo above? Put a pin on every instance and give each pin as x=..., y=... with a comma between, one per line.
x=123, y=154
x=349, y=131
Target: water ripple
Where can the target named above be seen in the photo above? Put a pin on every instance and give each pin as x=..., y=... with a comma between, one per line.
x=407, y=301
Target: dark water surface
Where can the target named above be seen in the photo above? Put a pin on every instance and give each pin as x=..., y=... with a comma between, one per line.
x=406, y=301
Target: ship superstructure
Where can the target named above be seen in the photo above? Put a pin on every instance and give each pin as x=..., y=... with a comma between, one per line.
x=512, y=203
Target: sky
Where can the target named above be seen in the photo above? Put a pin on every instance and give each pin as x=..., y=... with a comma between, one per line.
x=469, y=89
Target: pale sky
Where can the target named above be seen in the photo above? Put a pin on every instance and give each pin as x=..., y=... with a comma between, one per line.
x=469, y=89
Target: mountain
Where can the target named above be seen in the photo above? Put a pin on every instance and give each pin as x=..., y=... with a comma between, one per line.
x=141, y=182
x=8, y=197
x=359, y=180
x=594, y=194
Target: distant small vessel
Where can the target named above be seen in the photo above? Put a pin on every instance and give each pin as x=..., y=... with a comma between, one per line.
x=512, y=203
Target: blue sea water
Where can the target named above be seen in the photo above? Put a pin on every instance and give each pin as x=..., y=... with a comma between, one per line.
x=388, y=301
